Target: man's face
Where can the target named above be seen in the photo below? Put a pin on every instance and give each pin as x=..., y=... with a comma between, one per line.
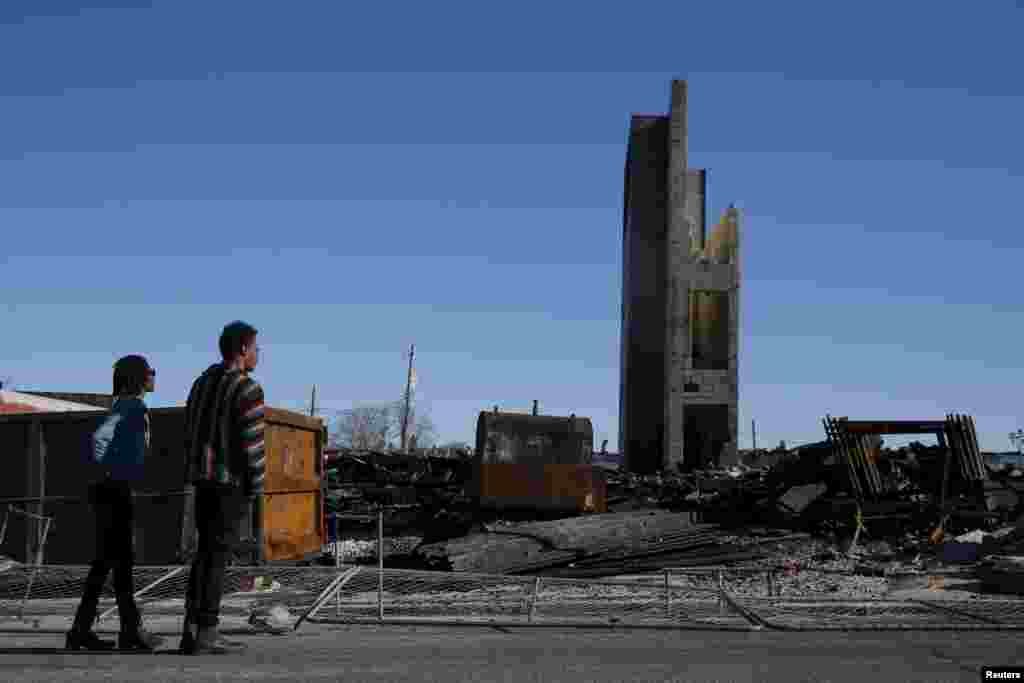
x=250, y=355
x=150, y=380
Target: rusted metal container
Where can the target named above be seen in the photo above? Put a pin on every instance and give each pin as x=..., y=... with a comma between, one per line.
x=47, y=473
x=293, y=504
x=536, y=462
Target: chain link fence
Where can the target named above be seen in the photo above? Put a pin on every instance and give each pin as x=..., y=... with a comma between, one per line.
x=443, y=597
x=681, y=599
x=885, y=615
x=43, y=598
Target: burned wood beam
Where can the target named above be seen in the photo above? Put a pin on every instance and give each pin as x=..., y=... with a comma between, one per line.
x=892, y=426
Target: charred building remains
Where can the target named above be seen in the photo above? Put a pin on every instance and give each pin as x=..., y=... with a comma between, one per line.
x=680, y=305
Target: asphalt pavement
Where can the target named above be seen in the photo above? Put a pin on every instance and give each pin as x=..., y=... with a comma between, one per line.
x=372, y=653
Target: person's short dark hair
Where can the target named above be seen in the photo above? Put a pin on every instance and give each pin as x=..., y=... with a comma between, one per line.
x=234, y=337
x=130, y=375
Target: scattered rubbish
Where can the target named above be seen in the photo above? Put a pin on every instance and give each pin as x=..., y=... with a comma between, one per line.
x=276, y=619
x=872, y=514
x=1003, y=574
x=999, y=496
x=977, y=536
x=261, y=584
x=796, y=499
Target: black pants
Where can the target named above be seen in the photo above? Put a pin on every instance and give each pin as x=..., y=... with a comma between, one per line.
x=218, y=514
x=115, y=515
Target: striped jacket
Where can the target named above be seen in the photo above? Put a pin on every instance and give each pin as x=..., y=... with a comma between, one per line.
x=224, y=430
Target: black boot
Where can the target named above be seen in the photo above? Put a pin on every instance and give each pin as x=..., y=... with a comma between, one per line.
x=138, y=638
x=208, y=641
x=86, y=640
x=132, y=636
x=188, y=639
x=188, y=630
x=81, y=636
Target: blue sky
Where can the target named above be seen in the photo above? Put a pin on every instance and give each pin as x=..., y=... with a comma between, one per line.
x=352, y=178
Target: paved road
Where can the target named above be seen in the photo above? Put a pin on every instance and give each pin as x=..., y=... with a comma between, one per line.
x=338, y=653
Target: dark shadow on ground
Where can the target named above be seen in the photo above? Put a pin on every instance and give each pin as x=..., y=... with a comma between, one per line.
x=63, y=651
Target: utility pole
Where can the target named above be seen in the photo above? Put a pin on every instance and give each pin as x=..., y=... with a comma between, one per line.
x=312, y=403
x=753, y=427
x=408, y=399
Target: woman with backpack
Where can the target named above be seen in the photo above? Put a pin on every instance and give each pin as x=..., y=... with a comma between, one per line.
x=119, y=448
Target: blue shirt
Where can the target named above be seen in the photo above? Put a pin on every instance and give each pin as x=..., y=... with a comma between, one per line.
x=121, y=442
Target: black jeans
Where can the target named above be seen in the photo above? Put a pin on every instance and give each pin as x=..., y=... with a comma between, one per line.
x=218, y=514
x=115, y=515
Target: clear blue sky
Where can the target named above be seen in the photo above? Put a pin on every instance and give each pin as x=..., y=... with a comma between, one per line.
x=355, y=177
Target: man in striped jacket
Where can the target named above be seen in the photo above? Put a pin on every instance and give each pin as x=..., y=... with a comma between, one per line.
x=224, y=460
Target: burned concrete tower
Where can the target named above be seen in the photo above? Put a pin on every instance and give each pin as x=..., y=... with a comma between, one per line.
x=680, y=305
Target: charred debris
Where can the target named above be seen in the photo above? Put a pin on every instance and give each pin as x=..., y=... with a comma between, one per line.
x=865, y=508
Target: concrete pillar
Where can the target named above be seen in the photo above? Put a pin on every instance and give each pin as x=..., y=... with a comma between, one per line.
x=641, y=398
x=677, y=253
x=734, y=327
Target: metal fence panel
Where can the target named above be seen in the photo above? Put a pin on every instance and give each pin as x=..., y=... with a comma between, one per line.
x=360, y=594
x=872, y=615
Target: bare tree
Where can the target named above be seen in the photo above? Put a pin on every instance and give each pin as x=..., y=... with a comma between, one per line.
x=422, y=430
x=364, y=426
x=425, y=430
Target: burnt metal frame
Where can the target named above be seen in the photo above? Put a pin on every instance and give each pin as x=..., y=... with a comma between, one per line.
x=956, y=436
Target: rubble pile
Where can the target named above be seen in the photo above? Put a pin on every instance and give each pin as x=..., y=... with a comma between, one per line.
x=358, y=482
x=353, y=551
x=417, y=492
x=794, y=511
x=595, y=545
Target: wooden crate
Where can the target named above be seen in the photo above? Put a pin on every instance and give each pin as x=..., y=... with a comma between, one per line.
x=292, y=518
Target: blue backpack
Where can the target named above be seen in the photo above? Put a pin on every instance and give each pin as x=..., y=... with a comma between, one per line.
x=102, y=442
